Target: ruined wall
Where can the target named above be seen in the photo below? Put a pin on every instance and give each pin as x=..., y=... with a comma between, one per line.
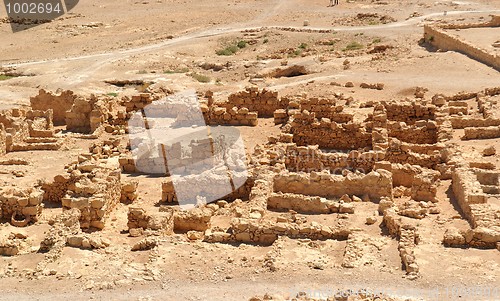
x=307, y=130
x=263, y=102
x=423, y=182
x=3, y=140
x=409, y=112
x=425, y=155
x=265, y=232
x=326, y=108
x=20, y=206
x=463, y=122
x=421, y=132
x=59, y=103
x=306, y=204
x=375, y=185
x=215, y=115
x=491, y=132
x=95, y=192
x=86, y=115
x=138, y=218
x=311, y=158
x=448, y=42
x=467, y=191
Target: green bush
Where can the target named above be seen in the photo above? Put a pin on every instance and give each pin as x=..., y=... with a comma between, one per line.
x=303, y=46
x=5, y=77
x=242, y=44
x=114, y=94
x=181, y=70
x=200, y=77
x=353, y=46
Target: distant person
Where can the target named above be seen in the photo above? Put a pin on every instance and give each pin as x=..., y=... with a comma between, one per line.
x=334, y=2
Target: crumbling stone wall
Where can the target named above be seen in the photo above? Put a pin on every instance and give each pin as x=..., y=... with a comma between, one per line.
x=263, y=102
x=409, y=112
x=311, y=158
x=265, y=231
x=20, y=206
x=58, y=102
x=491, y=132
x=307, y=130
x=138, y=218
x=326, y=108
x=307, y=204
x=421, y=132
x=425, y=155
x=375, y=185
x=85, y=115
x=95, y=193
x=442, y=39
x=215, y=115
x=423, y=182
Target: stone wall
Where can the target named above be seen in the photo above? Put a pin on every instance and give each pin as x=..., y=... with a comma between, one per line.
x=311, y=158
x=307, y=130
x=306, y=204
x=3, y=140
x=215, y=115
x=263, y=102
x=20, y=206
x=423, y=182
x=446, y=41
x=491, y=132
x=59, y=103
x=409, y=112
x=138, y=218
x=85, y=115
x=265, y=232
x=463, y=122
x=375, y=185
x=425, y=155
x=96, y=191
x=421, y=132
x=326, y=108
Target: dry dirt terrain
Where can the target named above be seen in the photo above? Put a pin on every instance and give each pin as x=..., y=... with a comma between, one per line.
x=252, y=150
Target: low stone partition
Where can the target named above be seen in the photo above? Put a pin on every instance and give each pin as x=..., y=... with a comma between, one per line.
x=196, y=219
x=409, y=112
x=326, y=108
x=482, y=215
x=138, y=218
x=408, y=239
x=95, y=192
x=215, y=115
x=138, y=102
x=307, y=130
x=440, y=38
x=306, y=204
x=3, y=140
x=20, y=206
x=311, y=158
x=464, y=122
x=423, y=182
x=425, y=155
x=421, y=132
x=490, y=132
x=265, y=232
x=467, y=191
x=375, y=185
x=264, y=102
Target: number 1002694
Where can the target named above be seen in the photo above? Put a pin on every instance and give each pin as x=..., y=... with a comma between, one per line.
x=33, y=8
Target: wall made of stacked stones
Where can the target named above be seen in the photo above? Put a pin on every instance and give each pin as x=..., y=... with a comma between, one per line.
x=20, y=205
x=264, y=102
x=409, y=112
x=307, y=130
x=58, y=103
x=421, y=132
x=375, y=185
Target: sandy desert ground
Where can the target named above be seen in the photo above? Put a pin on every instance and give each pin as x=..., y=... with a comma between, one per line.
x=355, y=79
